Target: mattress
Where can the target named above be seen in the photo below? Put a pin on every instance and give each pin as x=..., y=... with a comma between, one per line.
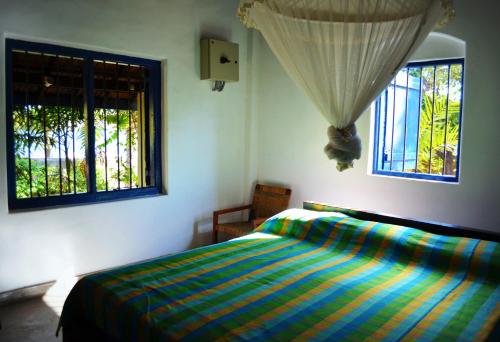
x=303, y=275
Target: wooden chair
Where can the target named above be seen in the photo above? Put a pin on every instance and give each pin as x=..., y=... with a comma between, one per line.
x=267, y=201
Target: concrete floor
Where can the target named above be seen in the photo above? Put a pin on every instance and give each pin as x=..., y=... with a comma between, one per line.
x=35, y=320
x=32, y=320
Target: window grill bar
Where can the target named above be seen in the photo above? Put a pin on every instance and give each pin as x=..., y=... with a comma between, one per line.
x=117, y=85
x=432, y=120
x=129, y=129
x=393, y=118
x=147, y=131
x=155, y=147
x=385, y=126
x=27, y=111
x=140, y=116
x=89, y=94
x=446, y=121
x=66, y=147
x=406, y=116
x=105, y=103
x=460, y=118
x=73, y=124
x=376, y=147
x=59, y=124
x=45, y=149
x=418, y=120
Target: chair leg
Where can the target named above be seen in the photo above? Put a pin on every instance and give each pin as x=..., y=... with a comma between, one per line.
x=214, y=235
x=215, y=222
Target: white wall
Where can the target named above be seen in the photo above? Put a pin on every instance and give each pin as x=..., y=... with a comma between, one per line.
x=208, y=135
x=438, y=45
x=292, y=134
x=216, y=141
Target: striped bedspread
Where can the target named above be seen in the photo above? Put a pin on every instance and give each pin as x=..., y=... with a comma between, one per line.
x=304, y=275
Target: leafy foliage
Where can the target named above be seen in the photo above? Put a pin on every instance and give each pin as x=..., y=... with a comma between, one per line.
x=439, y=119
x=439, y=134
x=45, y=137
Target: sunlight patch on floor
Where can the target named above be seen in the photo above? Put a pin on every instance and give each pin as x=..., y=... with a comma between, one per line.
x=56, y=295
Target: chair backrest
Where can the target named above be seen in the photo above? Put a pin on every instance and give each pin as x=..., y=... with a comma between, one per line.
x=269, y=200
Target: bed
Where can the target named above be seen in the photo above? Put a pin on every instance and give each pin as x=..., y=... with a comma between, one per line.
x=319, y=273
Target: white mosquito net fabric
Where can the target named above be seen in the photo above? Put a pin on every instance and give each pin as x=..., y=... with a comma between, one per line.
x=343, y=53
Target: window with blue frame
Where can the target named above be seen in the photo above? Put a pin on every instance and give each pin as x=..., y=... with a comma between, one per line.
x=82, y=126
x=418, y=122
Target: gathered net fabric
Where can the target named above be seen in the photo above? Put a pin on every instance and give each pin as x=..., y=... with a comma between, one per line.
x=343, y=53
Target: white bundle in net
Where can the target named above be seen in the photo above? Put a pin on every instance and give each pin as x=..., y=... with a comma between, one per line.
x=344, y=146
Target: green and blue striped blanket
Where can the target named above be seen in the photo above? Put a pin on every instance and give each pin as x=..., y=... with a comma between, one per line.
x=304, y=275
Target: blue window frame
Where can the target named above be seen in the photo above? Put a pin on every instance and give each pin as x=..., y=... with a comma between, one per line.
x=82, y=126
x=418, y=122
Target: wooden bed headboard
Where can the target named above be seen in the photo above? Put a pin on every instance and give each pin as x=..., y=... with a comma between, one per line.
x=428, y=226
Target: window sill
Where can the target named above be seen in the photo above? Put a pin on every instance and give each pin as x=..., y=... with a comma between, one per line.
x=416, y=177
x=71, y=200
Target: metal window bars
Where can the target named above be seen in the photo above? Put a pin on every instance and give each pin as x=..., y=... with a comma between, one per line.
x=418, y=134
x=119, y=115
x=56, y=104
x=44, y=122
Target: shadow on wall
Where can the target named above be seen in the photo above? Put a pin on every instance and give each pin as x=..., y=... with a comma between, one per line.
x=202, y=233
x=202, y=228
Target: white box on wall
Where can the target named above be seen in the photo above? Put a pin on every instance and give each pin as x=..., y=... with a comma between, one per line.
x=219, y=60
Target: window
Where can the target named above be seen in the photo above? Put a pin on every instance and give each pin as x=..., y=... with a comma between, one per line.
x=417, y=122
x=82, y=126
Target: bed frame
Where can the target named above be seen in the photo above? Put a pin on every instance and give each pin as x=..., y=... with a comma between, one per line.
x=428, y=226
